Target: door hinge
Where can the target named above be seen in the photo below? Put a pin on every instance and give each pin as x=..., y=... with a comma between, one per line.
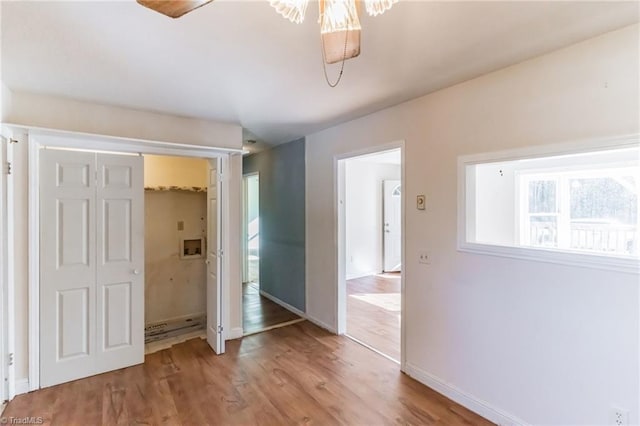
x=8, y=168
x=220, y=253
x=219, y=177
x=10, y=359
x=220, y=329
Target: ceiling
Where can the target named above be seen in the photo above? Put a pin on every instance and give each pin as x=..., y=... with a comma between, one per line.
x=239, y=61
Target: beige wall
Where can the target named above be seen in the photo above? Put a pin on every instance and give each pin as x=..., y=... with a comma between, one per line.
x=542, y=342
x=64, y=114
x=174, y=287
x=160, y=170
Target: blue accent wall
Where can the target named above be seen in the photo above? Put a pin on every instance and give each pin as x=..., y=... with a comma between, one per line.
x=282, y=220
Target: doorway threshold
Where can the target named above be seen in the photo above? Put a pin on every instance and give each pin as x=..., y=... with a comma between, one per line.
x=273, y=327
x=371, y=348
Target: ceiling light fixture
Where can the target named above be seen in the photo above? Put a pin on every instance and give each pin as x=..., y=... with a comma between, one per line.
x=339, y=26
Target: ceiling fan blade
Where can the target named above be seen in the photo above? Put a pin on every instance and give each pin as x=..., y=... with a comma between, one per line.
x=173, y=8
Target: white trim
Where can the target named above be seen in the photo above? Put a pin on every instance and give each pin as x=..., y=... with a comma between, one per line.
x=10, y=276
x=38, y=138
x=300, y=313
x=34, y=265
x=22, y=386
x=362, y=274
x=285, y=305
x=563, y=257
x=467, y=400
x=340, y=289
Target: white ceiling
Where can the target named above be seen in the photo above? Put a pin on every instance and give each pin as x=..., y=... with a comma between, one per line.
x=239, y=61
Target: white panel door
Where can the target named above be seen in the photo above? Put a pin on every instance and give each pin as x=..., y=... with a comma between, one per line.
x=91, y=259
x=214, y=293
x=120, y=261
x=392, y=229
x=67, y=266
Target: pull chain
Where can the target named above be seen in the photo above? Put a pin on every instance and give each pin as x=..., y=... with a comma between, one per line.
x=344, y=58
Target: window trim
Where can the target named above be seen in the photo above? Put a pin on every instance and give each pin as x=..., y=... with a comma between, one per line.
x=625, y=264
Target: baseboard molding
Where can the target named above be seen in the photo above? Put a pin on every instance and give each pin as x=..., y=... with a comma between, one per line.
x=474, y=404
x=22, y=386
x=234, y=333
x=361, y=275
x=298, y=312
x=285, y=305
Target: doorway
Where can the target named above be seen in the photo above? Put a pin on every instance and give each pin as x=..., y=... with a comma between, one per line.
x=176, y=234
x=370, y=197
x=260, y=312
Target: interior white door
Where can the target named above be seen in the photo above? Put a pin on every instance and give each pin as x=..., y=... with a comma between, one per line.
x=120, y=261
x=91, y=259
x=392, y=230
x=214, y=290
x=67, y=266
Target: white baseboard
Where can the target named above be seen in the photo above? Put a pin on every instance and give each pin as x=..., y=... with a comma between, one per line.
x=298, y=312
x=285, y=305
x=360, y=275
x=234, y=333
x=474, y=404
x=22, y=386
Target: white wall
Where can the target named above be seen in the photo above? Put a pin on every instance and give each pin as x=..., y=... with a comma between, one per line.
x=545, y=343
x=64, y=114
x=5, y=101
x=363, y=215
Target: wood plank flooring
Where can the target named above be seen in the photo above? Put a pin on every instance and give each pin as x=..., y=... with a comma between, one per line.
x=373, y=312
x=259, y=312
x=299, y=374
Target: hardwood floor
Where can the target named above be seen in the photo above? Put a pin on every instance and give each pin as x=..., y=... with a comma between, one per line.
x=299, y=374
x=373, y=312
x=260, y=313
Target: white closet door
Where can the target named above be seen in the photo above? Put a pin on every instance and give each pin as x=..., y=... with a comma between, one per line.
x=91, y=260
x=67, y=266
x=120, y=261
x=214, y=317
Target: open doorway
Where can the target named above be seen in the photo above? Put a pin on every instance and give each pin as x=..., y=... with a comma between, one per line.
x=260, y=310
x=372, y=233
x=175, y=202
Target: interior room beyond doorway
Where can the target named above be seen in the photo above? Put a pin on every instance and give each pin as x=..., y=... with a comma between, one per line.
x=260, y=313
x=373, y=249
x=175, y=249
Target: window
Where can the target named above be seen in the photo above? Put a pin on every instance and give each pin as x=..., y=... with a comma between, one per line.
x=585, y=204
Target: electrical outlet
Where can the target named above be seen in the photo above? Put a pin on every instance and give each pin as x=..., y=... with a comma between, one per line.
x=424, y=257
x=618, y=416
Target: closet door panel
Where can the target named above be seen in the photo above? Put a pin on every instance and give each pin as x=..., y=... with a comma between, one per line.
x=120, y=268
x=67, y=266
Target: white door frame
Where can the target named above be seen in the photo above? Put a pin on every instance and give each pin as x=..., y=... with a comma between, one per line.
x=7, y=318
x=38, y=138
x=341, y=271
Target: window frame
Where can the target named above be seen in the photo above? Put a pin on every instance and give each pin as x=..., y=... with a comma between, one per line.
x=466, y=205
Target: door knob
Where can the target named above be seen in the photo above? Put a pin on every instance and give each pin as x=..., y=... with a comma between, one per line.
x=208, y=262
x=136, y=272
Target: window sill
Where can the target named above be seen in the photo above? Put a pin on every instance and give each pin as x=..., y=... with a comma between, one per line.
x=629, y=265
